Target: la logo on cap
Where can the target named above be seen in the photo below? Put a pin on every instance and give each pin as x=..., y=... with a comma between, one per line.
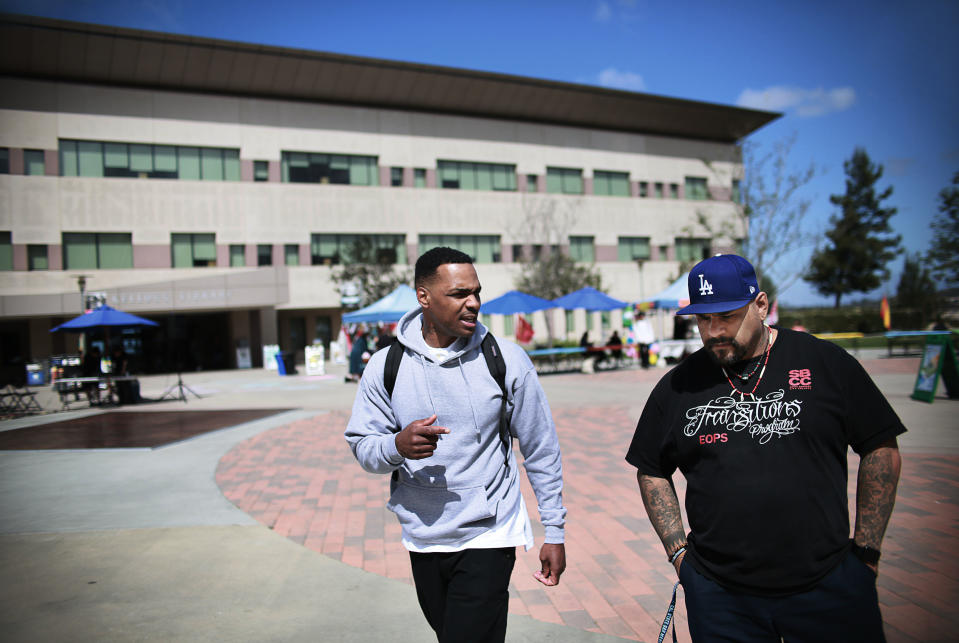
x=705, y=288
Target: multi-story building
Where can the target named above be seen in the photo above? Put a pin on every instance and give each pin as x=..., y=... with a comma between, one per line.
x=213, y=186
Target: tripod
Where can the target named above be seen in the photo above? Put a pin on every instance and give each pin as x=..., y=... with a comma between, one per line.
x=181, y=390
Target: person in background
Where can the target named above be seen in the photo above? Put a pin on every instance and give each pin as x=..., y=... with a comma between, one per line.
x=360, y=346
x=644, y=337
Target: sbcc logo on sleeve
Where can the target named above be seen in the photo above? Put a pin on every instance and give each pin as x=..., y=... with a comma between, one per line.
x=800, y=379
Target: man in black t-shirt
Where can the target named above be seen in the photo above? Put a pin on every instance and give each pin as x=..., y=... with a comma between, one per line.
x=759, y=421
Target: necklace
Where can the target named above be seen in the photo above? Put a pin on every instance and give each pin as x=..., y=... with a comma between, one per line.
x=758, y=358
x=765, y=360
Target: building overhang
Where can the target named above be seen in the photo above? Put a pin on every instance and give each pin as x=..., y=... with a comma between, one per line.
x=42, y=48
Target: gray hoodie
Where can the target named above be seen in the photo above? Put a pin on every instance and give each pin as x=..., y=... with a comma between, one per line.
x=464, y=488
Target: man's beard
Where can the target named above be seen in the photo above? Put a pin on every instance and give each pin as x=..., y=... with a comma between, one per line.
x=733, y=353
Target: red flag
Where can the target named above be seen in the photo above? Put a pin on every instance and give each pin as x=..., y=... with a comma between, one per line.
x=524, y=332
x=884, y=313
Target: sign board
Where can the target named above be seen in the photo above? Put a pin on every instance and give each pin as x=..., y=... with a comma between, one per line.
x=270, y=351
x=243, y=357
x=938, y=360
x=315, y=356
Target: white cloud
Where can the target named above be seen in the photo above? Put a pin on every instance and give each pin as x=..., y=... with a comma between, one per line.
x=616, y=79
x=603, y=12
x=805, y=102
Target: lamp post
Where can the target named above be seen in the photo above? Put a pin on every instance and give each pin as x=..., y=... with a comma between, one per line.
x=82, y=285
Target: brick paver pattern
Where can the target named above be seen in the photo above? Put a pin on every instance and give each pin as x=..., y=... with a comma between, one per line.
x=302, y=481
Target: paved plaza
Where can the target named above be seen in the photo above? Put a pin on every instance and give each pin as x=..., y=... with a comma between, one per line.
x=268, y=530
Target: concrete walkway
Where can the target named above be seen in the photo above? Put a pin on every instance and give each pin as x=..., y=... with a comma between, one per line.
x=142, y=544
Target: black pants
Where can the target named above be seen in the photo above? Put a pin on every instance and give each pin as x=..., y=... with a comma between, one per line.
x=465, y=594
x=843, y=608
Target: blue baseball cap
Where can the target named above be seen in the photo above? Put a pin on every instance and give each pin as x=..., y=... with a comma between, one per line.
x=720, y=284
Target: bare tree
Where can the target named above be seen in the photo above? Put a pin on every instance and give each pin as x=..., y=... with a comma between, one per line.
x=547, y=269
x=370, y=270
x=772, y=209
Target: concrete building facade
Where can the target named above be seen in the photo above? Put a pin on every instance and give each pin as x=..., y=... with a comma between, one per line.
x=213, y=186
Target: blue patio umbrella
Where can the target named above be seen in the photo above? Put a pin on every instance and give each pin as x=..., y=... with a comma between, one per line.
x=515, y=302
x=388, y=309
x=590, y=299
x=103, y=316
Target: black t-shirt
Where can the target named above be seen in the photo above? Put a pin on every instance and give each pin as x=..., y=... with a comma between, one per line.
x=766, y=475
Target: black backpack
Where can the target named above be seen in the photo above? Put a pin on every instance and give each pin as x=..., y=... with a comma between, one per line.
x=495, y=363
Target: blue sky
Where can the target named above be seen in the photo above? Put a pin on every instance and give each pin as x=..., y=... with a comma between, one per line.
x=881, y=75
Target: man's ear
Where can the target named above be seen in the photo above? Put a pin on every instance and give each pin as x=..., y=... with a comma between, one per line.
x=423, y=296
x=762, y=305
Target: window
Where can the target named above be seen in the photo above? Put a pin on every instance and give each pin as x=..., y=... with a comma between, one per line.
x=581, y=249
x=237, y=255
x=261, y=170
x=643, y=189
x=737, y=191
x=133, y=160
x=193, y=250
x=6, y=251
x=106, y=250
x=33, y=164
x=570, y=322
x=419, y=177
x=589, y=323
x=673, y=190
x=517, y=252
x=291, y=254
x=487, y=320
x=561, y=180
x=692, y=250
x=338, y=169
x=464, y=175
x=4, y=160
x=508, y=328
x=633, y=248
x=482, y=248
x=37, y=258
x=604, y=321
x=663, y=253
x=696, y=189
x=532, y=183
x=658, y=190
x=610, y=183
x=396, y=177
x=333, y=249
x=264, y=254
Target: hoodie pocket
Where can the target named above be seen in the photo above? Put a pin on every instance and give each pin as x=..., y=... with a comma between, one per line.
x=440, y=515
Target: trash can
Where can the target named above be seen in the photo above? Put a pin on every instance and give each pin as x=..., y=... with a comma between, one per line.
x=35, y=374
x=285, y=363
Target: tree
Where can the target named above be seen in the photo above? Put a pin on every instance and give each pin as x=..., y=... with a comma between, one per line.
x=547, y=271
x=916, y=293
x=770, y=210
x=944, y=251
x=861, y=242
x=370, y=270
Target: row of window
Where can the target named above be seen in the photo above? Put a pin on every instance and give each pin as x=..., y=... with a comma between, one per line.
x=114, y=250
x=133, y=160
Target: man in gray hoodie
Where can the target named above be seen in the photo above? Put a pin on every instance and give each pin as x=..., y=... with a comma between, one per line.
x=455, y=486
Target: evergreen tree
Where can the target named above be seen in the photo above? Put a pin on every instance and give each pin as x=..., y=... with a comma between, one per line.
x=944, y=252
x=861, y=242
x=916, y=294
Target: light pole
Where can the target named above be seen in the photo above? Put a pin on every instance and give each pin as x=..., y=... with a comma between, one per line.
x=82, y=285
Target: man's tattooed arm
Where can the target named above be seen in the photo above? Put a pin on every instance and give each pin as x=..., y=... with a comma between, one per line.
x=876, y=493
x=662, y=507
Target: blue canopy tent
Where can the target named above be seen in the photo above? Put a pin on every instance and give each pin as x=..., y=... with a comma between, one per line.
x=388, y=309
x=676, y=295
x=515, y=302
x=103, y=316
x=590, y=299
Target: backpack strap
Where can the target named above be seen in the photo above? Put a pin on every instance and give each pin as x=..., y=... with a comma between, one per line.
x=497, y=368
x=393, y=358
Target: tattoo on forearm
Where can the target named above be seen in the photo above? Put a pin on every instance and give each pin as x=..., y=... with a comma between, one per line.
x=662, y=507
x=876, y=493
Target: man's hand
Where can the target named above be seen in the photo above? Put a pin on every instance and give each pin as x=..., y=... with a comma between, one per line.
x=418, y=439
x=553, y=560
